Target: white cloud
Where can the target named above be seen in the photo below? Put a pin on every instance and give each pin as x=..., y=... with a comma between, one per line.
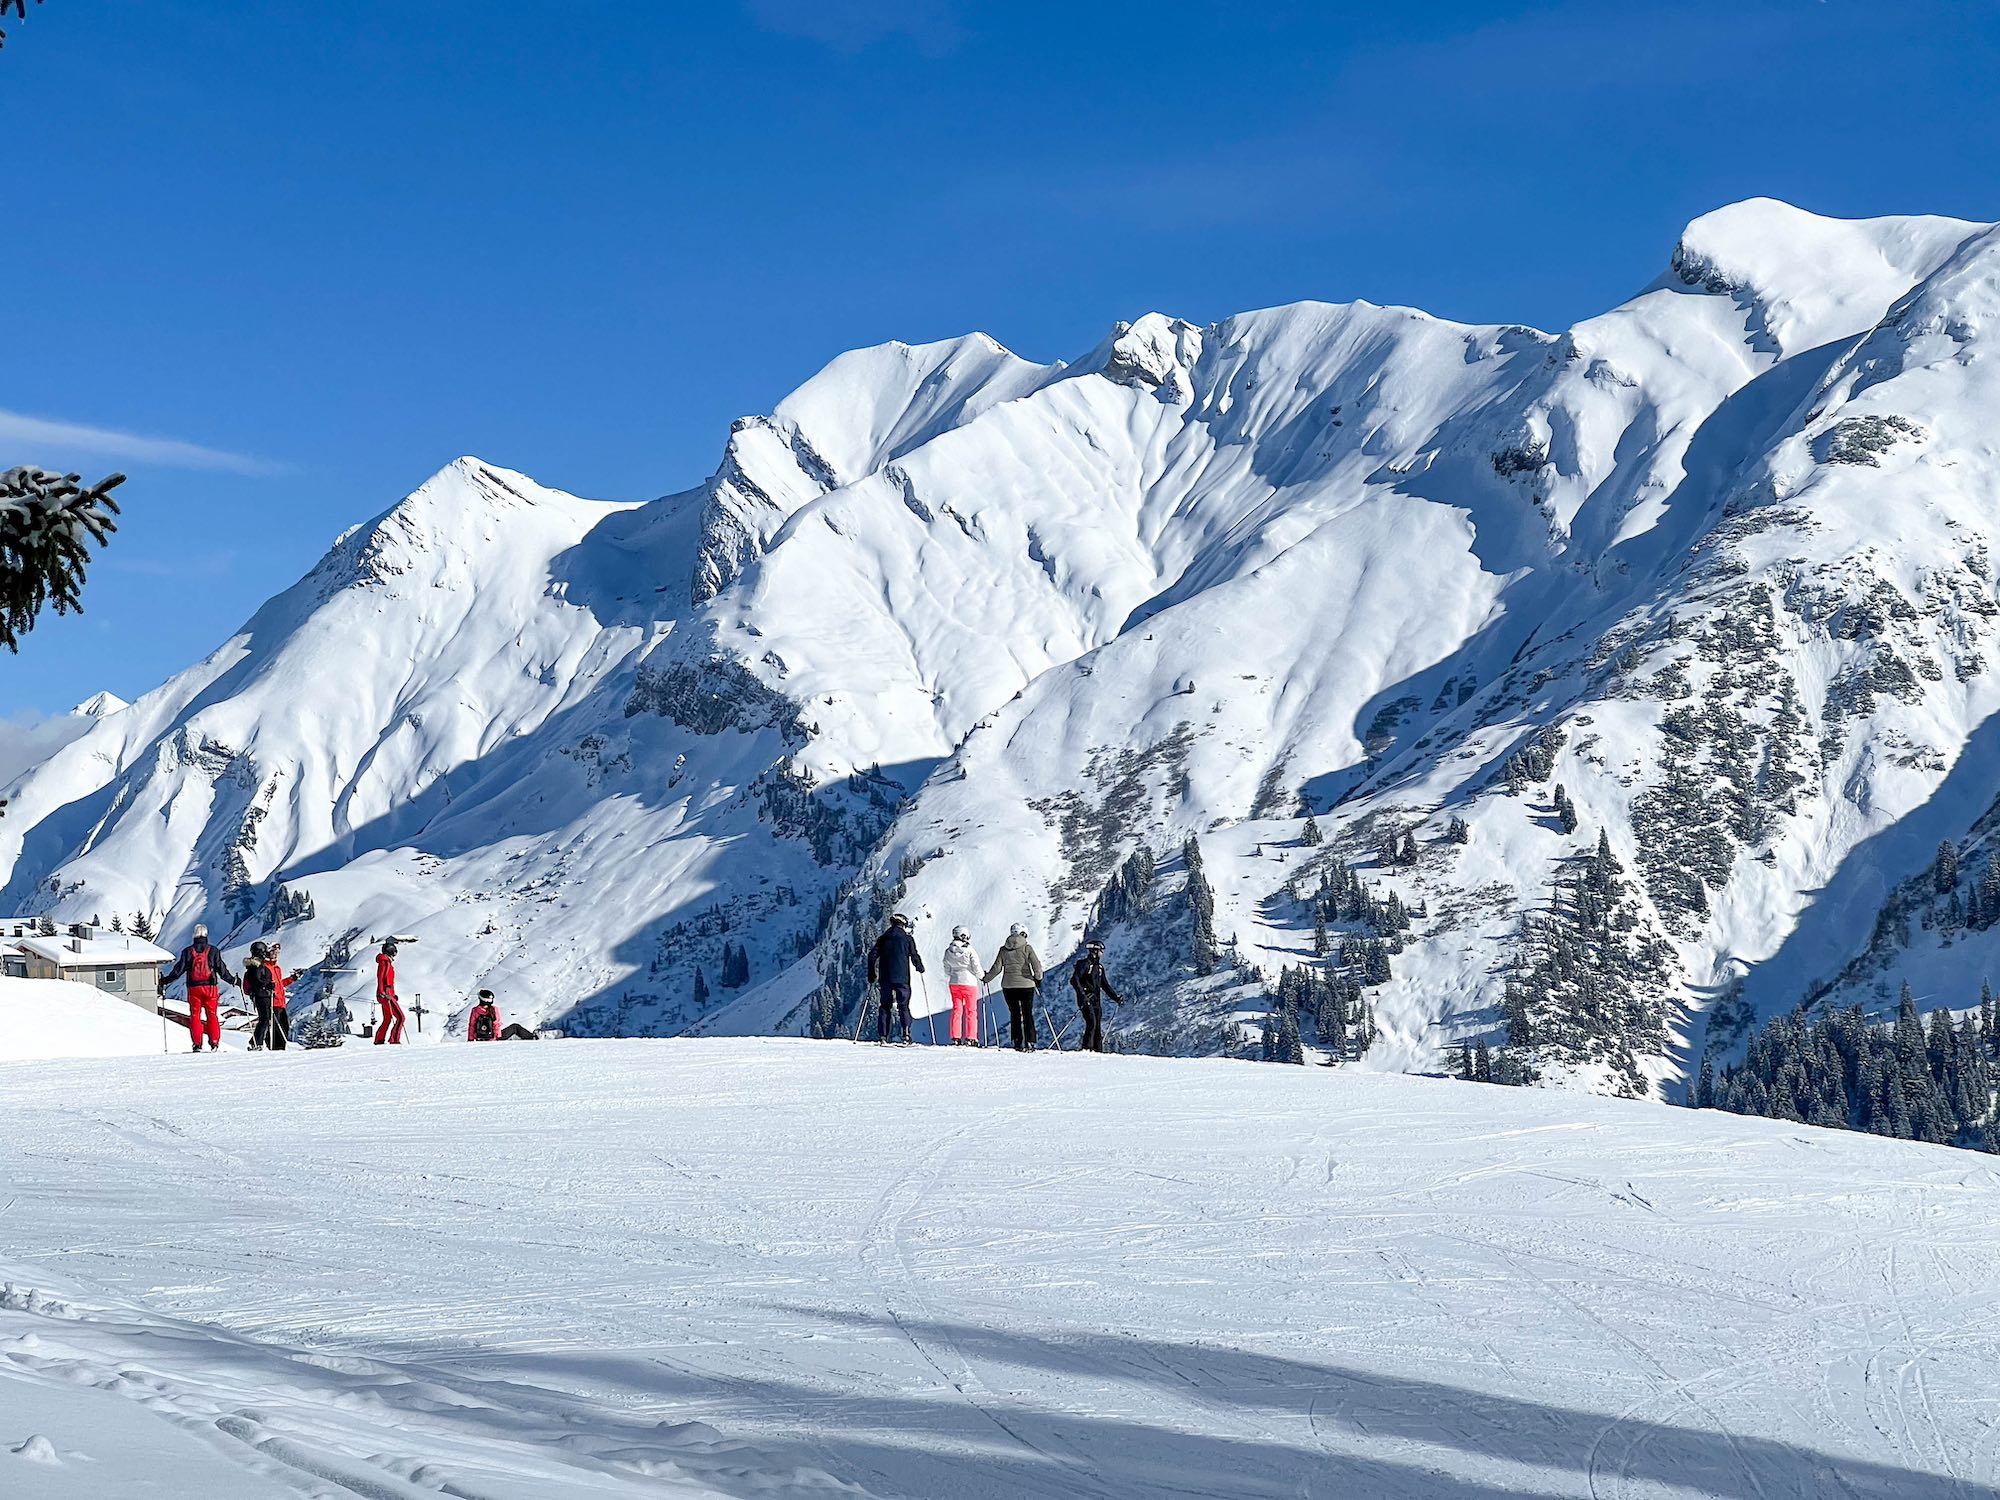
x=39, y=440
x=850, y=25
x=26, y=740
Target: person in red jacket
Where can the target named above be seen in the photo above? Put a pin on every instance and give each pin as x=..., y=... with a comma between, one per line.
x=483, y=1025
x=390, y=1028
x=281, y=1024
x=202, y=965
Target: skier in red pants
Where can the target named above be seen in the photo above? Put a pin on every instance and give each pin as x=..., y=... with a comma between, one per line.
x=390, y=1028
x=203, y=967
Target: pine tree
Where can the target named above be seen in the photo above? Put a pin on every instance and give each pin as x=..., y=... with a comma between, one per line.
x=1458, y=832
x=1319, y=931
x=1201, y=901
x=48, y=524
x=700, y=989
x=1407, y=855
x=1704, y=1087
x=1944, y=870
x=1310, y=835
x=1464, y=1062
x=117, y=922
x=142, y=926
x=1482, y=1062
x=322, y=1029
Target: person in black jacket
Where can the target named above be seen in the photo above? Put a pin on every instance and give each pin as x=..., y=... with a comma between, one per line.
x=262, y=988
x=889, y=964
x=1091, y=985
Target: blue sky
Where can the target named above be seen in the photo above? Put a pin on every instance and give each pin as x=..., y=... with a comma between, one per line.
x=288, y=259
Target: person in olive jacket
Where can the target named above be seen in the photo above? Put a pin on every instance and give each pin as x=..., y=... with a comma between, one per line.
x=1019, y=969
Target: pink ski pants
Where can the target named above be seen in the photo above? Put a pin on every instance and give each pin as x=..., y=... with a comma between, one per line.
x=964, y=1012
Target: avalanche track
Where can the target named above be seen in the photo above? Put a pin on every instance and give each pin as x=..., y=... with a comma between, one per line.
x=773, y=1268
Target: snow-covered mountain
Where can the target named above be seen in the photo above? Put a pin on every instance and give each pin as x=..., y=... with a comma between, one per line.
x=1645, y=666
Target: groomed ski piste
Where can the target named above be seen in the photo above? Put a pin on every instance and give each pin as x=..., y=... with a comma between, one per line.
x=779, y=1268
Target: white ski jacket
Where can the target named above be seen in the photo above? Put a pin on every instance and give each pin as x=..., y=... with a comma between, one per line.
x=961, y=964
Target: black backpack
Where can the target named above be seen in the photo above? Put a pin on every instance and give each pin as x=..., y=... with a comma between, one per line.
x=482, y=1024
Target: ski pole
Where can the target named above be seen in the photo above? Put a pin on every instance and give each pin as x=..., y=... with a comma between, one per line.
x=1065, y=1032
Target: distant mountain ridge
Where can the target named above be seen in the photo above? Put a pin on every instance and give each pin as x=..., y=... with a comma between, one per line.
x=1084, y=644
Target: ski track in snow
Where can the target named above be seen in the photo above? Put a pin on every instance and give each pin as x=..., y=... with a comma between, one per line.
x=771, y=1268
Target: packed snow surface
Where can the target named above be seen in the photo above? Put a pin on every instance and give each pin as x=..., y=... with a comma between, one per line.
x=44, y=1018
x=780, y=1268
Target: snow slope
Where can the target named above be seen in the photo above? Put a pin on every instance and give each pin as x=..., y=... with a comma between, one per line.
x=613, y=1268
x=956, y=630
x=45, y=1018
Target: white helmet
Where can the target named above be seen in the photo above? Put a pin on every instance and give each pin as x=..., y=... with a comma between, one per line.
x=1017, y=930
x=960, y=935
x=201, y=929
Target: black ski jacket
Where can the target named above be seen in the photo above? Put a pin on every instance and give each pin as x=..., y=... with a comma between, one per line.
x=257, y=983
x=893, y=956
x=1089, y=980
x=218, y=969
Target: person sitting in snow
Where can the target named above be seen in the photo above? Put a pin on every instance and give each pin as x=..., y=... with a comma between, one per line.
x=483, y=1025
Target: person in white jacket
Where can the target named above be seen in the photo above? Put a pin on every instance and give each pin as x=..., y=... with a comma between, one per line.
x=961, y=972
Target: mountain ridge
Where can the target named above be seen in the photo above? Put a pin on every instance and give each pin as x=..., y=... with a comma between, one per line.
x=957, y=630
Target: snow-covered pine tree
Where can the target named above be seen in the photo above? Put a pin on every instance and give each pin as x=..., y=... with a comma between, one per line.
x=700, y=989
x=1201, y=901
x=1457, y=831
x=1310, y=835
x=1482, y=1062
x=48, y=524
x=321, y=1029
x=142, y=926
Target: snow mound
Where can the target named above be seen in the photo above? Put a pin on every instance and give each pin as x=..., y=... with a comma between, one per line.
x=46, y=1018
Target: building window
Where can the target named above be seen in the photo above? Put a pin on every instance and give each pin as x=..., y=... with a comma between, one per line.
x=111, y=979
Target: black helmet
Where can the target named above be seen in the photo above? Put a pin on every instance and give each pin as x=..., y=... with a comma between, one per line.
x=389, y=947
x=486, y=994
x=259, y=951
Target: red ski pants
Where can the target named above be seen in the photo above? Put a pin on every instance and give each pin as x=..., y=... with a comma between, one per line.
x=205, y=1015
x=390, y=1029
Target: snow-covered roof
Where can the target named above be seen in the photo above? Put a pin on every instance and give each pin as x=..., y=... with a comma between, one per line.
x=100, y=950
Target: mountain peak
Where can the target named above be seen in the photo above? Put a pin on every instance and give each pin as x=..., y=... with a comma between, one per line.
x=1812, y=277
x=100, y=705
x=1154, y=351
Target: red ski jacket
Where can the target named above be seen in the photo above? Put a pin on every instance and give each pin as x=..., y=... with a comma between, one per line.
x=385, y=977
x=277, y=986
x=472, y=1024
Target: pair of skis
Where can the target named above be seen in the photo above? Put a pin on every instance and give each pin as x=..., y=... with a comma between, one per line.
x=872, y=1002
